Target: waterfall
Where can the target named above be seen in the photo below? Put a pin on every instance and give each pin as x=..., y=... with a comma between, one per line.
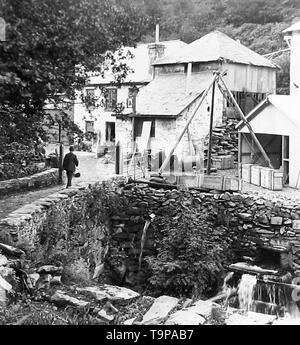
x=246, y=291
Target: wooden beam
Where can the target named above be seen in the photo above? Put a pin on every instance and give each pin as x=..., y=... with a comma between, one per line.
x=243, y=117
x=211, y=128
x=166, y=161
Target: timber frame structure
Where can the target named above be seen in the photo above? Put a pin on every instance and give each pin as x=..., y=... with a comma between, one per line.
x=219, y=81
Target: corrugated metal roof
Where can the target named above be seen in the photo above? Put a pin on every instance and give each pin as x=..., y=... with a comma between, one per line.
x=166, y=94
x=294, y=27
x=216, y=46
x=288, y=105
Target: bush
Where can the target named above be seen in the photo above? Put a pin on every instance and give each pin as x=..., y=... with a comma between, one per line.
x=17, y=160
x=77, y=271
x=191, y=256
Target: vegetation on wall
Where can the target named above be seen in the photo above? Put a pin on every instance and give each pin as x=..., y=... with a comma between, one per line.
x=191, y=254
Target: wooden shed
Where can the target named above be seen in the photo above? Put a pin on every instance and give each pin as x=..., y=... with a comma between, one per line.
x=276, y=123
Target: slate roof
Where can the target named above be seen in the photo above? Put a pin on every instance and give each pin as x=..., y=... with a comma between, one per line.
x=216, y=46
x=166, y=95
x=294, y=27
x=288, y=105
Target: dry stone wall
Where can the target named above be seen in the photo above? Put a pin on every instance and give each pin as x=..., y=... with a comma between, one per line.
x=104, y=223
x=42, y=179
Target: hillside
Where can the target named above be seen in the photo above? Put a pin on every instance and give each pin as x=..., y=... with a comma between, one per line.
x=258, y=24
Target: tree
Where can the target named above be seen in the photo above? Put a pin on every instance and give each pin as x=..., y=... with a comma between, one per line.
x=50, y=47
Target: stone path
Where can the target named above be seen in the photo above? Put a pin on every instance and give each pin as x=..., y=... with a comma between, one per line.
x=92, y=169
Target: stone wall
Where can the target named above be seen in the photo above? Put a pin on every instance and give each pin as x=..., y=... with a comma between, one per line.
x=105, y=223
x=42, y=179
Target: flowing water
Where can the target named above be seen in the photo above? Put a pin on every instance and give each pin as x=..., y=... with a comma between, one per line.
x=246, y=291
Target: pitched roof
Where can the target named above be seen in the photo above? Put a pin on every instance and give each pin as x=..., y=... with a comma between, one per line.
x=139, y=63
x=216, y=46
x=294, y=27
x=288, y=105
x=166, y=95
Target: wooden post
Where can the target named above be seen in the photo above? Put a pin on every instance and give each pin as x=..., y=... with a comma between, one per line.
x=247, y=124
x=118, y=158
x=211, y=128
x=60, y=167
x=216, y=76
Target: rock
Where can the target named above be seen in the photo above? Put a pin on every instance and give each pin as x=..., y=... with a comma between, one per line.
x=61, y=300
x=203, y=308
x=129, y=322
x=5, y=285
x=159, y=310
x=104, y=316
x=246, y=217
x=250, y=318
x=3, y=260
x=50, y=269
x=185, y=317
x=11, y=250
x=56, y=280
x=296, y=224
x=276, y=220
x=110, y=292
x=34, y=277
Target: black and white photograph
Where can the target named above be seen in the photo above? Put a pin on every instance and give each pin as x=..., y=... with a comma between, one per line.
x=149, y=166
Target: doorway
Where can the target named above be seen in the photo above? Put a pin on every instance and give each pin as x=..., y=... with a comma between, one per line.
x=110, y=132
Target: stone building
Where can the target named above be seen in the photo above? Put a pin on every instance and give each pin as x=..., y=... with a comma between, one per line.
x=112, y=95
x=179, y=81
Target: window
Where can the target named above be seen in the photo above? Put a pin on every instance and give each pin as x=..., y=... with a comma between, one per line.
x=129, y=102
x=138, y=126
x=110, y=99
x=90, y=93
x=89, y=126
x=90, y=99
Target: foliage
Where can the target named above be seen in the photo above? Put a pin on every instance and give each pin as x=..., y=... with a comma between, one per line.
x=18, y=160
x=78, y=271
x=50, y=47
x=258, y=24
x=191, y=255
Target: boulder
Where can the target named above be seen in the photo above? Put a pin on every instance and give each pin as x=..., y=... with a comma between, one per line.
x=185, y=317
x=251, y=318
x=110, y=292
x=61, y=300
x=203, y=308
x=3, y=260
x=159, y=310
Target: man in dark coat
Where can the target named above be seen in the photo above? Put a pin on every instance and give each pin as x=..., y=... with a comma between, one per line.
x=69, y=164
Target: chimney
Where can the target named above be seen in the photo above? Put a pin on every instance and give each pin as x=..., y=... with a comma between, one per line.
x=155, y=51
x=293, y=41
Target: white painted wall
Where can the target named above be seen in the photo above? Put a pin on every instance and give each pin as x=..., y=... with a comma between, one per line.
x=272, y=121
x=295, y=64
x=99, y=115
